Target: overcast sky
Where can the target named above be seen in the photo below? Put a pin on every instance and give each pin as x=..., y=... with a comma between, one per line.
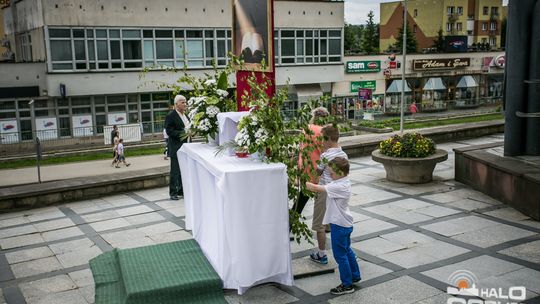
x=356, y=10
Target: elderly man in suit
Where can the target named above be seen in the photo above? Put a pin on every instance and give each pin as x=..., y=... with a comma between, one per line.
x=176, y=125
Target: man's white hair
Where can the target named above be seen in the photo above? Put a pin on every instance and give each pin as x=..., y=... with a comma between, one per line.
x=177, y=98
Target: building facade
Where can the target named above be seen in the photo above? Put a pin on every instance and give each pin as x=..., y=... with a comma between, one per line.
x=475, y=21
x=436, y=82
x=82, y=60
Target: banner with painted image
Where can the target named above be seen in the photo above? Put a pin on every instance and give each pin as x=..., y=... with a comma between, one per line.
x=46, y=128
x=252, y=33
x=82, y=125
x=9, y=132
x=117, y=118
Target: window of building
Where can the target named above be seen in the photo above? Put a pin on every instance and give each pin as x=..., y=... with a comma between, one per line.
x=485, y=10
x=493, y=41
x=493, y=26
x=484, y=40
x=128, y=49
x=24, y=42
x=449, y=26
x=484, y=26
x=449, y=10
x=459, y=26
x=494, y=10
x=310, y=46
x=415, y=13
x=460, y=10
x=414, y=28
x=132, y=49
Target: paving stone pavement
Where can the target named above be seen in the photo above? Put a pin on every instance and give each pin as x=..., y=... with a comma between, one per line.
x=409, y=240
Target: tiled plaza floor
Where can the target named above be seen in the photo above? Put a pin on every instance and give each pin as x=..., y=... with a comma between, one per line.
x=409, y=239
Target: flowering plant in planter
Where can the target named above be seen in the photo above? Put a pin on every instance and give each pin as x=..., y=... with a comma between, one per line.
x=410, y=145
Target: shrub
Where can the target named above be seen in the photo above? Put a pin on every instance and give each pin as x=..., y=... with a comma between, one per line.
x=410, y=145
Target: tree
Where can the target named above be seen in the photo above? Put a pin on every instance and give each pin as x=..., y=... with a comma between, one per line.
x=412, y=45
x=350, y=38
x=438, y=43
x=370, y=38
x=352, y=34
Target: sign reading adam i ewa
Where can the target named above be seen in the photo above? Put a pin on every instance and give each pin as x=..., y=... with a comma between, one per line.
x=440, y=64
x=363, y=66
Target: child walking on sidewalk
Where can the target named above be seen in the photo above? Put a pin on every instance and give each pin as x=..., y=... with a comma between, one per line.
x=120, y=151
x=338, y=215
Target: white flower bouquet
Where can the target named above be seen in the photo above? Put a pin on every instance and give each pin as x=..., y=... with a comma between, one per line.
x=210, y=97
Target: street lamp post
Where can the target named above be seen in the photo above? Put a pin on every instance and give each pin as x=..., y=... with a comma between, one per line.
x=38, y=143
x=403, y=66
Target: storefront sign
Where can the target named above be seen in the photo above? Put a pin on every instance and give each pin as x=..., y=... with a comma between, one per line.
x=117, y=118
x=499, y=61
x=440, y=64
x=363, y=66
x=9, y=132
x=46, y=128
x=368, y=84
x=364, y=94
x=82, y=125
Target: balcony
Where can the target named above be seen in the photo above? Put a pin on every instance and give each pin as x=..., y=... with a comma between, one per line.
x=452, y=17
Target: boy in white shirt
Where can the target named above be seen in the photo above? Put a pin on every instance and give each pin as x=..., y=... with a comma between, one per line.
x=120, y=151
x=338, y=215
x=331, y=150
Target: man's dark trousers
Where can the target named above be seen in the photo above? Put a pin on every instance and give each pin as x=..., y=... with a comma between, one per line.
x=175, y=184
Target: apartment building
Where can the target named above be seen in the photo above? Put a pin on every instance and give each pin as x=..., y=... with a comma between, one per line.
x=466, y=21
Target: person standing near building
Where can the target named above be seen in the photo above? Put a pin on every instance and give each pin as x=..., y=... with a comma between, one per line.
x=413, y=109
x=176, y=125
x=114, y=133
x=316, y=123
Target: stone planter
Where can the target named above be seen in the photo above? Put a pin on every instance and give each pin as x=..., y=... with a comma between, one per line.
x=410, y=170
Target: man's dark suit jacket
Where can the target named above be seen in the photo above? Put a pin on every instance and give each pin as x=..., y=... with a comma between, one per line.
x=175, y=130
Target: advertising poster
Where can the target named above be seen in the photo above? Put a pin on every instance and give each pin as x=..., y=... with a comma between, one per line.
x=9, y=132
x=364, y=94
x=117, y=118
x=46, y=128
x=252, y=33
x=82, y=125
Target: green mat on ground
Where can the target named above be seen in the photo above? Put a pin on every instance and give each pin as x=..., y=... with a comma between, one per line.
x=175, y=272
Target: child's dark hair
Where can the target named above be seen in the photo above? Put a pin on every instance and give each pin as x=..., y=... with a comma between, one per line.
x=340, y=165
x=330, y=133
x=121, y=140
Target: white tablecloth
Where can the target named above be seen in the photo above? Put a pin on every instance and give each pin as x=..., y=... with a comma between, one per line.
x=238, y=212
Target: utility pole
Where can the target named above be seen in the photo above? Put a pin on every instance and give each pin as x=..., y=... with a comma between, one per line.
x=403, y=67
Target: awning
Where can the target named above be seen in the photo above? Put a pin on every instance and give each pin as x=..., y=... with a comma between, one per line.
x=434, y=84
x=467, y=81
x=306, y=92
x=395, y=87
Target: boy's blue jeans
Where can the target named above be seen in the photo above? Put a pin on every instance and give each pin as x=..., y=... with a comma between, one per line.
x=343, y=254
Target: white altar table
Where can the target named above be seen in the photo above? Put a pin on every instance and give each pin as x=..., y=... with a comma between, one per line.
x=237, y=210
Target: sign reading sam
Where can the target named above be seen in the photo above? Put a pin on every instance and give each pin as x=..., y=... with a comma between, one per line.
x=363, y=66
x=440, y=64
